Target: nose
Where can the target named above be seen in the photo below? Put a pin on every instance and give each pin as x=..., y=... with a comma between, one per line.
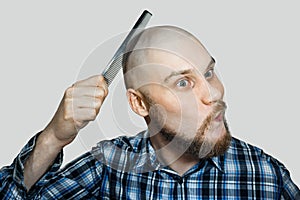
x=211, y=93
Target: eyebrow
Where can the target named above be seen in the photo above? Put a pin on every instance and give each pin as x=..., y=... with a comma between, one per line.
x=177, y=73
x=187, y=71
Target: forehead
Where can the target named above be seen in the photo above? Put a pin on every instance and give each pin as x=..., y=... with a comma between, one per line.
x=159, y=64
x=160, y=52
x=176, y=61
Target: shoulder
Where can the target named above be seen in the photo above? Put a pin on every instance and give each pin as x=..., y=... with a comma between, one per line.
x=254, y=158
x=239, y=147
x=250, y=164
x=134, y=143
x=238, y=144
x=124, y=153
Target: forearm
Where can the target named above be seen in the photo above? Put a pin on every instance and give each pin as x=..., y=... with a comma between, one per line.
x=80, y=105
x=42, y=157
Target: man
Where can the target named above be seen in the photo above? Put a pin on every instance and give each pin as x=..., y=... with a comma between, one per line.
x=187, y=151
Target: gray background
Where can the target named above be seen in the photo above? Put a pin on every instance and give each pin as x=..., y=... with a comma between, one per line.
x=45, y=45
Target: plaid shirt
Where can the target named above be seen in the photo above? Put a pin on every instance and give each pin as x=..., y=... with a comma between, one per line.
x=120, y=169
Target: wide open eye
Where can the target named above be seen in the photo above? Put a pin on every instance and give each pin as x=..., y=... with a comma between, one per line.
x=209, y=74
x=183, y=83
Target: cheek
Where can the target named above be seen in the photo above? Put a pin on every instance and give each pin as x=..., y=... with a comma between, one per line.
x=178, y=102
x=178, y=110
x=165, y=98
x=181, y=106
x=219, y=86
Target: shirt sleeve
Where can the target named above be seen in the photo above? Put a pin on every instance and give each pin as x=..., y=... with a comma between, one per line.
x=80, y=179
x=12, y=179
x=290, y=190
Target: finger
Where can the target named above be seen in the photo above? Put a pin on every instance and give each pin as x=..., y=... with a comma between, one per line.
x=105, y=88
x=88, y=91
x=84, y=114
x=78, y=114
x=96, y=80
x=87, y=102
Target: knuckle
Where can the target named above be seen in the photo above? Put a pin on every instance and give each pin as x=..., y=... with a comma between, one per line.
x=69, y=91
x=103, y=92
x=93, y=114
x=106, y=91
x=98, y=103
x=68, y=102
x=68, y=110
x=66, y=117
x=97, y=92
x=101, y=78
x=66, y=114
x=102, y=81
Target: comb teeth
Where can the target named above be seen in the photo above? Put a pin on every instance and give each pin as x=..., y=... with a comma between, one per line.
x=113, y=70
x=115, y=63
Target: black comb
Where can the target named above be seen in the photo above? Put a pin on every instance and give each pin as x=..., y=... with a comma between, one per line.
x=115, y=64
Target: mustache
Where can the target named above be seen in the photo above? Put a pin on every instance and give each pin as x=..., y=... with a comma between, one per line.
x=218, y=106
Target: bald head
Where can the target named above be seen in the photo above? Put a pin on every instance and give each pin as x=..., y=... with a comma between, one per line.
x=150, y=48
x=169, y=77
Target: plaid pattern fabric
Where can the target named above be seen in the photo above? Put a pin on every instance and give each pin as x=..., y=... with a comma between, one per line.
x=119, y=169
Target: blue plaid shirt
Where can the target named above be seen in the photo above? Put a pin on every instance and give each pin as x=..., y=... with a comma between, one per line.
x=243, y=172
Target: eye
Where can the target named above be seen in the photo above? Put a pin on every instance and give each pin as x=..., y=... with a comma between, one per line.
x=209, y=74
x=183, y=83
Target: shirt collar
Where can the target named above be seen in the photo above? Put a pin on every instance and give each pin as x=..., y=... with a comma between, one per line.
x=217, y=161
x=136, y=154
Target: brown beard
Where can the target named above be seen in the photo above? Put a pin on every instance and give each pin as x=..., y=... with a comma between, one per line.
x=198, y=143
x=199, y=146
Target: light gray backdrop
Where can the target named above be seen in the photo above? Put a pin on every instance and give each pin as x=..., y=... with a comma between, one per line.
x=44, y=47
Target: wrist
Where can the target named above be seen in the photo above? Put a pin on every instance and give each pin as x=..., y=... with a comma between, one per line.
x=48, y=140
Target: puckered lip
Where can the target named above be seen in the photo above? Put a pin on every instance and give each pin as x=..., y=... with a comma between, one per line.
x=219, y=116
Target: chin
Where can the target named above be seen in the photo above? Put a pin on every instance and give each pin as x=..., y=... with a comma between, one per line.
x=212, y=143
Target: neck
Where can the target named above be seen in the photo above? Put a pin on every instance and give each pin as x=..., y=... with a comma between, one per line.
x=170, y=156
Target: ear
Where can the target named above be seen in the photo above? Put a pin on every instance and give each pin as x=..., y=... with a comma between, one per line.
x=137, y=102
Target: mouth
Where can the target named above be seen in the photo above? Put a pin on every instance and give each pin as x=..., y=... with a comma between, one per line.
x=219, y=117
